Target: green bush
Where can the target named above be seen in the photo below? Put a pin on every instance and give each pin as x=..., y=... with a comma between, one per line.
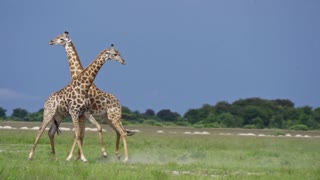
x=152, y=122
x=182, y=123
x=249, y=126
x=212, y=125
x=299, y=127
x=198, y=125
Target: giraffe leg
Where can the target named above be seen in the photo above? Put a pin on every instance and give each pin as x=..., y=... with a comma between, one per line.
x=82, y=132
x=125, y=146
x=117, y=145
x=72, y=149
x=121, y=132
x=51, y=133
x=77, y=121
x=99, y=128
x=47, y=118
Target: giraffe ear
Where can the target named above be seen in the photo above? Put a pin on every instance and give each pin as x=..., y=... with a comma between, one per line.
x=66, y=32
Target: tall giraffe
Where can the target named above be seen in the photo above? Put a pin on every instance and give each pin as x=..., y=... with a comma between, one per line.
x=73, y=99
x=103, y=104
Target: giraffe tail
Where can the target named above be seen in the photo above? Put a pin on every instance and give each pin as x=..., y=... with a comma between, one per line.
x=129, y=132
x=57, y=126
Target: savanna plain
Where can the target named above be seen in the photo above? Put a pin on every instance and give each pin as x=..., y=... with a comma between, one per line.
x=164, y=153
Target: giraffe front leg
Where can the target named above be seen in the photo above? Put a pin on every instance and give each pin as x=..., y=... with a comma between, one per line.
x=117, y=145
x=82, y=133
x=125, y=147
x=76, y=141
x=72, y=149
x=76, y=123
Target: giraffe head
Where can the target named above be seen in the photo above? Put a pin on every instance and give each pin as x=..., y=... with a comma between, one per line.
x=113, y=54
x=61, y=39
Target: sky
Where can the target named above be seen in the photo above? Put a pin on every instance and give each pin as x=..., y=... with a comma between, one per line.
x=180, y=54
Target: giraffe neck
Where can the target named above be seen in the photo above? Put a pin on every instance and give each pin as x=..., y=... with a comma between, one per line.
x=86, y=77
x=74, y=60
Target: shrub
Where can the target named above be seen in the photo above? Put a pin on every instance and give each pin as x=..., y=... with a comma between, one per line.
x=198, y=125
x=249, y=126
x=299, y=127
x=152, y=122
x=182, y=123
x=212, y=125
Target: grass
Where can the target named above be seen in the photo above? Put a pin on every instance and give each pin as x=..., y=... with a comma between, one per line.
x=168, y=155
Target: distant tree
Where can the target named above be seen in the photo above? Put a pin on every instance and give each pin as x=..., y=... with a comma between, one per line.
x=3, y=113
x=252, y=112
x=127, y=114
x=227, y=120
x=276, y=121
x=149, y=112
x=316, y=118
x=167, y=115
x=285, y=103
x=307, y=110
x=36, y=116
x=222, y=107
x=205, y=110
x=258, y=122
x=291, y=114
x=19, y=114
x=192, y=116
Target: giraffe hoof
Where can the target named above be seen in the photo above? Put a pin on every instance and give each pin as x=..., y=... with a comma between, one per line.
x=105, y=155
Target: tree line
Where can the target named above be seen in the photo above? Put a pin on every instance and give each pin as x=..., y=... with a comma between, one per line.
x=243, y=113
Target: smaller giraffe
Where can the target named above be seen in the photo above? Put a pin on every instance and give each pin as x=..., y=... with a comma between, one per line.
x=73, y=99
x=104, y=105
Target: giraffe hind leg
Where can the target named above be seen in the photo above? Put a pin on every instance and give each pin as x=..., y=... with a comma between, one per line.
x=121, y=132
x=47, y=118
x=51, y=133
x=99, y=129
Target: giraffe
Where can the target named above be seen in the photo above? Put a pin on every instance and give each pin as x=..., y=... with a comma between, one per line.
x=73, y=99
x=103, y=104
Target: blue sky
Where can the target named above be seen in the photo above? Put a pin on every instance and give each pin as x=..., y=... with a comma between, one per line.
x=180, y=54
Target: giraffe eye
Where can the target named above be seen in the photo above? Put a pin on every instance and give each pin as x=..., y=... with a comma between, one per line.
x=115, y=54
x=61, y=39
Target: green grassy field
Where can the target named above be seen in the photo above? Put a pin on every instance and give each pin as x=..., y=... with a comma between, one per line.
x=173, y=153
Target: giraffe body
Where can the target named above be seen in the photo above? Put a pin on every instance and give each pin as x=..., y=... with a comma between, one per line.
x=104, y=105
x=73, y=99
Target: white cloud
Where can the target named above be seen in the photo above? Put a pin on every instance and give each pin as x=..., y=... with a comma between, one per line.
x=10, y=94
